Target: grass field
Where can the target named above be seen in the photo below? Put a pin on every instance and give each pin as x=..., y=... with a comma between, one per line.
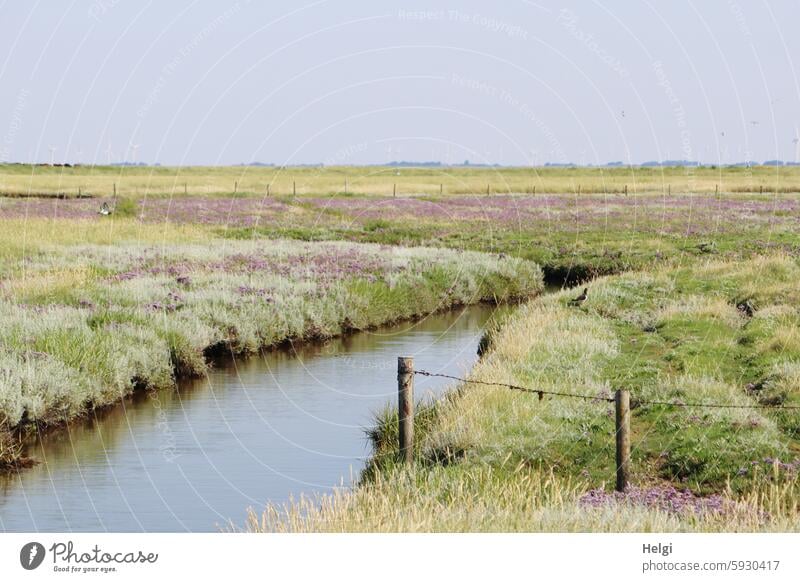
x=138, y=181
x=571, y=236
x=693, y=298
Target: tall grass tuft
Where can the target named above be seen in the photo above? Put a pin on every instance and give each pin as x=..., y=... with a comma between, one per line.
x=85, y=325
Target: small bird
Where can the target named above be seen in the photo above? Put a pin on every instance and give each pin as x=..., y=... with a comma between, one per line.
x=746, y=308
x=580, y=298
x=105, y=210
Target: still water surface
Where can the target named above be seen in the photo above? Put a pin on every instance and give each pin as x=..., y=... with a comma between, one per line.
x=253, y=431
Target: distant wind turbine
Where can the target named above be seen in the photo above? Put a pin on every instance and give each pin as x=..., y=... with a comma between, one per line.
x=109, y=152
x=52, y=155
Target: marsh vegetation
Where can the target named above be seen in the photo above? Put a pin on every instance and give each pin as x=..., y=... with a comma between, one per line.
x=83, y=325
x=692, y=298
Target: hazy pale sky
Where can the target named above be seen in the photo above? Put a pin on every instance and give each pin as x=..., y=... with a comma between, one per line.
x=345, y=82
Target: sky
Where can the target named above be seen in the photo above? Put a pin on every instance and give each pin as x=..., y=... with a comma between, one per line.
x=344, y=82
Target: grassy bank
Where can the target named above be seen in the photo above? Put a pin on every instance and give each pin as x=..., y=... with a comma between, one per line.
x=715, y=332
x=82, y=324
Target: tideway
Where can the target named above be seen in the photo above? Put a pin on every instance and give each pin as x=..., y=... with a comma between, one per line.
x=65, y=553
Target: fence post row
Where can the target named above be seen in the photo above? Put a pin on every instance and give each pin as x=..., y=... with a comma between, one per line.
x=405, y=392
x=622, y=404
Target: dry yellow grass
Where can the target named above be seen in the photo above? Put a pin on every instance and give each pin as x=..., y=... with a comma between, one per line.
x=518, y=500
x=382, y=181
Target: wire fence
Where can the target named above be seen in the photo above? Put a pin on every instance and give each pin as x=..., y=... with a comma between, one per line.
x=600, y=398
x=622, y=400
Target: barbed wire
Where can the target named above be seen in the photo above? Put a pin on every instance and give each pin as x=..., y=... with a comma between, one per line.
x=538, y=391
x=636, y=401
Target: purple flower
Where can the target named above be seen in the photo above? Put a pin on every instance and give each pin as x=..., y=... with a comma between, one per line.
x=664, y=498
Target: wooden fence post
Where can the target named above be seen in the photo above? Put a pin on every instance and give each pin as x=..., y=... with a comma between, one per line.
x=394, y=190
x=622, y=403
x=626, y=189
x=294, y=188
x=268, y=190
x=487, y=189
x=405, y=391
x=441, y=189
x=235, y=186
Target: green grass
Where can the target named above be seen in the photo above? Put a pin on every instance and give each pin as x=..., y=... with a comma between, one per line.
x=671, y=334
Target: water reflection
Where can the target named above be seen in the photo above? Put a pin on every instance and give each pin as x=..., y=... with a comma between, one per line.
x=264, y=429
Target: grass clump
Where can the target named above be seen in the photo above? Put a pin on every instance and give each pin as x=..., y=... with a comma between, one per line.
x=674, y=337
x=514, y=498
x=133, y=316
